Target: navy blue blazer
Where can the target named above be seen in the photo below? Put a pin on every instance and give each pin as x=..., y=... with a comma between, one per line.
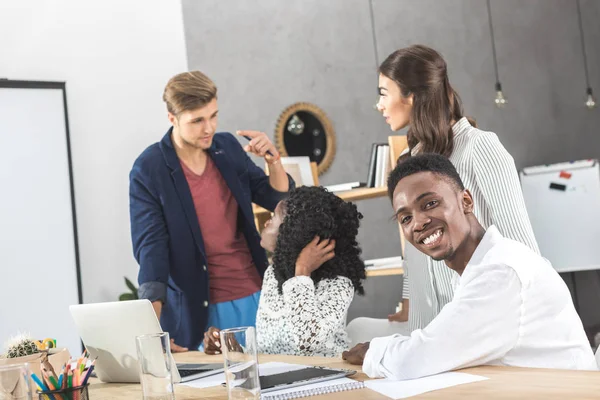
x=167, y=240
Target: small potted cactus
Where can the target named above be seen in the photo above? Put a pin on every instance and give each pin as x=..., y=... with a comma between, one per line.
x=23, y=349
x=21, y=346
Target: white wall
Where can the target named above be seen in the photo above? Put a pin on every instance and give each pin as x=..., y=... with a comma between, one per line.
x=115, y=56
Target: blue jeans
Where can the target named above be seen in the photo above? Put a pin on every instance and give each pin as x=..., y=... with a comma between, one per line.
x=234, y=313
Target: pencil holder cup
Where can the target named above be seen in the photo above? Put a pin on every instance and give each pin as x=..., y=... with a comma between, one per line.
x=74, y=393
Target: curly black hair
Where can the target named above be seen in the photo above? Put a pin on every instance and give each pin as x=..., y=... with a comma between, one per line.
x=427, y=162
x=313, y=211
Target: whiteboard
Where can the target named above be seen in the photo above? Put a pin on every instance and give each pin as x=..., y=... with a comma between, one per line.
x=563, y=202
x=38, y=251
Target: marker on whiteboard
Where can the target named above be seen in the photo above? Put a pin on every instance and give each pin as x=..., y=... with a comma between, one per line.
x=565, y=175
x=558, y=186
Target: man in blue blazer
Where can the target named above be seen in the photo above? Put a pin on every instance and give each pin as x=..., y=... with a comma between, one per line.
x=192, y=226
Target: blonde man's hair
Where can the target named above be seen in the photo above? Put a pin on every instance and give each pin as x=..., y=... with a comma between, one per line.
x=188, y=91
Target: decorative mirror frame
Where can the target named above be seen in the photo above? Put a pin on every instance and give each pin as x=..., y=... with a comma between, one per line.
x=322, y=117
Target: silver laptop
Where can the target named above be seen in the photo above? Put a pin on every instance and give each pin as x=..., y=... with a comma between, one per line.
x=108, y=331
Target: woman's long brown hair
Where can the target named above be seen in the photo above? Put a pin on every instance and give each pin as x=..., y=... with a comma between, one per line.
x=421, y=71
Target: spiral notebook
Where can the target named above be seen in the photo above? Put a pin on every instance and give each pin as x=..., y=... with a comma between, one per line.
x=314, y=389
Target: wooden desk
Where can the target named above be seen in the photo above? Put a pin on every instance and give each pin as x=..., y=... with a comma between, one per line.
x=504, y=383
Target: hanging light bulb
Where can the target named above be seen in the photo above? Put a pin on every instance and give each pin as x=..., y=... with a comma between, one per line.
x=591, y=101
x=296, y=125
x=500, y=99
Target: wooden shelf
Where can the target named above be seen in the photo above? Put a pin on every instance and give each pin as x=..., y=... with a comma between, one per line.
x=385, y=272
x=363, y=193
x=350, y=195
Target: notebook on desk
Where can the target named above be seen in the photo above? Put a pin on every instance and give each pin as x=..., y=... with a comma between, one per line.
x=280, y=373
x=300, y=377
x=314, y=389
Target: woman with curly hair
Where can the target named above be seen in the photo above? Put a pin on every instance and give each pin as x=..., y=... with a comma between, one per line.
x=307, y=291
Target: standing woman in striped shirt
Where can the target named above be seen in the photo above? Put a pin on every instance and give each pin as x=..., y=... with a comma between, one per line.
x=415, y=92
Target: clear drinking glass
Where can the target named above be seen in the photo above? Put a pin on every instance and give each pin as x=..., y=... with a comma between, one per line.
x=154, y=356
x=15, y=382
x=241, y=362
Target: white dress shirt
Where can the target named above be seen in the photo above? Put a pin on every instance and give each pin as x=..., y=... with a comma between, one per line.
x=510, y=307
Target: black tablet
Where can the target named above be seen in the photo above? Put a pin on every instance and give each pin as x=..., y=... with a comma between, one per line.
x=300, y=377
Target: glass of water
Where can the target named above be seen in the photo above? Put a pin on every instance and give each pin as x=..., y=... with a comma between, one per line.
x=15, y=382
x=154, y=357
x=241, y=362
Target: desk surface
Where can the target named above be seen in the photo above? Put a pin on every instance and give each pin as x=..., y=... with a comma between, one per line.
x=504, y=383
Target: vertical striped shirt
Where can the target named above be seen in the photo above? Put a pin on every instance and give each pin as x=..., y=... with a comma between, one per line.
x=489, y=172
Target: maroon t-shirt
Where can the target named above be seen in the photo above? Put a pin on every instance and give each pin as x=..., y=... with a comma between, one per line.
x=231, y=271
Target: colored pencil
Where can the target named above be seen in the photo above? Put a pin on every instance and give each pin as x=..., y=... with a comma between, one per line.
x=49, y=383
x=64, y=376
x=38, y=382
x=88, y=373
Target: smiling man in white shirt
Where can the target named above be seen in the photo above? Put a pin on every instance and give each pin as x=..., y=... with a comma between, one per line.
x=510, y=307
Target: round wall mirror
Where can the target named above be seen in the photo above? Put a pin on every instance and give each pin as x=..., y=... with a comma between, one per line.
x=303, y=129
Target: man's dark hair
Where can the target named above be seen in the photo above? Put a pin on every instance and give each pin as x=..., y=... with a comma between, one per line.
x=313, y=211
x=430, y=162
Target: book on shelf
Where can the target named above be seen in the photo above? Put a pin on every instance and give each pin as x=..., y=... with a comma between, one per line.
x=343, y=187
x=384, y=263
x=372, y=166
x=385, y=162
x=379, y=165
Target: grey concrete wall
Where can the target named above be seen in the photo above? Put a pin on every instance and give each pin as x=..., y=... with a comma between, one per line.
x=265, y=55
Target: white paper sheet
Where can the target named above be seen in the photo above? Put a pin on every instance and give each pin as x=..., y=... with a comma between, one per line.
x=269, y=368
x=403, y=389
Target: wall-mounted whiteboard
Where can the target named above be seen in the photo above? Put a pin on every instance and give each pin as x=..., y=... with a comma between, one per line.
x=39, y=271
x=563, y=202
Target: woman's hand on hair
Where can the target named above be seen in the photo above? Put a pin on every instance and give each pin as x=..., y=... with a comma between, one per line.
x=260, y=144
x=315, y=254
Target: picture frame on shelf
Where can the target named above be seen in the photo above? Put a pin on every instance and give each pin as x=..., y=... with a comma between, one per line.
x=299, y=168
